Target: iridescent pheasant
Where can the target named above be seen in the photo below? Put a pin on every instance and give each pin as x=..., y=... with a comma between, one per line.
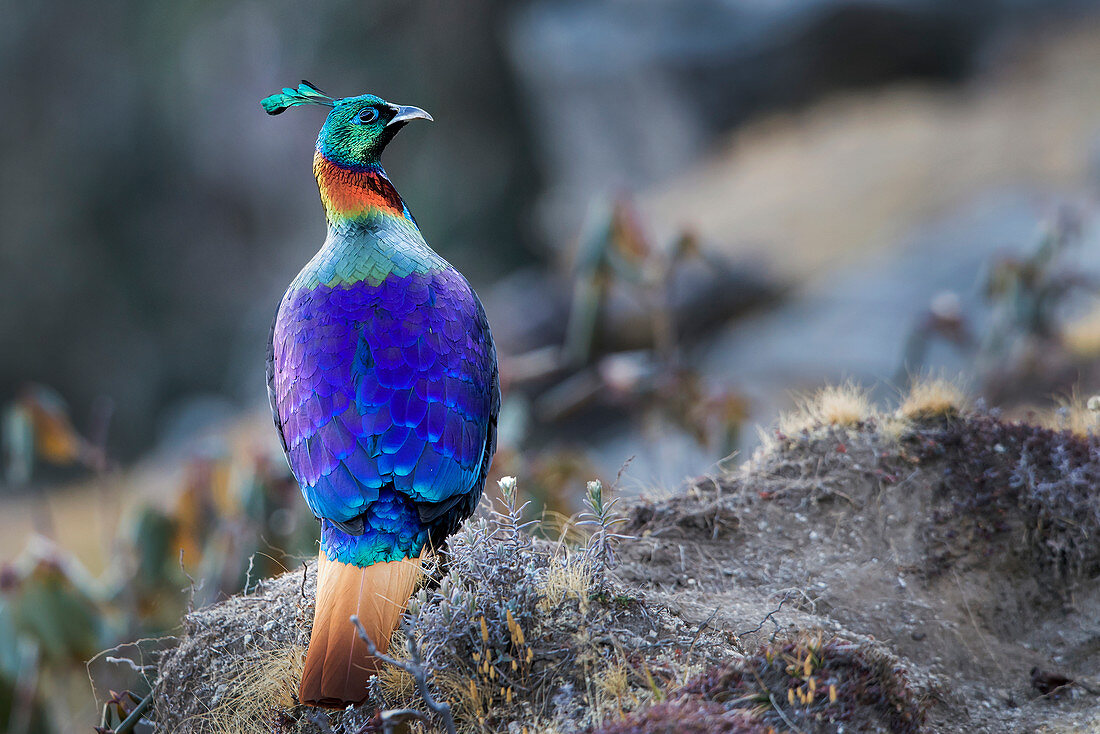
x=383, y=383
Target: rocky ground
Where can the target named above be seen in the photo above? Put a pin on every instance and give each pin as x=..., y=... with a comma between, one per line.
x=931, y=569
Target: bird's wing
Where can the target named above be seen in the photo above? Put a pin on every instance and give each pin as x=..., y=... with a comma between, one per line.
x=449, y=511
x=271, y=399
x=388, y=385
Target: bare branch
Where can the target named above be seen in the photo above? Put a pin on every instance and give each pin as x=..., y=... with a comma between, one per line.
x=193, y=587
x=414, y=668
x=133, y=666
x=706, y=623
x=396, y=717
x=767, y=617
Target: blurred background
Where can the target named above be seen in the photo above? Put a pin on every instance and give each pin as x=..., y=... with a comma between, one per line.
x=678, y=213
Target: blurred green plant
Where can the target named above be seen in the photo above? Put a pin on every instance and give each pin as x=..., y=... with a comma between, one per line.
x=51, y=618
x=37, y=429
x=235, y=520
x=123, y=712
x=1030, y=344
x=21, y=705
x=576, y=380
x=1027, y=294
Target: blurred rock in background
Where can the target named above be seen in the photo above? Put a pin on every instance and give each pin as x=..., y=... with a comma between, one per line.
x=621, y=95
x=150, y=215
x=677, y=212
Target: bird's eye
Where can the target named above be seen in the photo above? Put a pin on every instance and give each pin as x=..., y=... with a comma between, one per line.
x=367, y=115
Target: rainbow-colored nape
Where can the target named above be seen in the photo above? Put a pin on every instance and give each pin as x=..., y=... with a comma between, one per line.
x=306, y=93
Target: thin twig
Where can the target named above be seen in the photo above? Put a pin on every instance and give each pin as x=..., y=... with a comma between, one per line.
x=194, y=588
x=414, y=668
x=783, y=716
x=133, y=666
x=248, y=573
x=767, y=617
x=622, y=470
x=395, y=717
x=703, y=626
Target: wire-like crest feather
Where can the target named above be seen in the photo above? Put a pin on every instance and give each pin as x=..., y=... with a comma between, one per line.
x=306, y=93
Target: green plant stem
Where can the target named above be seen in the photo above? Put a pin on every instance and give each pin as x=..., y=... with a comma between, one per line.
x=131, y=721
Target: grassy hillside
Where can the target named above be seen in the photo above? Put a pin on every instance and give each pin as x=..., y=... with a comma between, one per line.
x=931, y=569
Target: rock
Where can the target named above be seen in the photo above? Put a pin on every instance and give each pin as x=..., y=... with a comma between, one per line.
x=623, y=94
x=979, y=572
x=855, y=325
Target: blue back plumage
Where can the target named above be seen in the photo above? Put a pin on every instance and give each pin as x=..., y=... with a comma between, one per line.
x=385, y=388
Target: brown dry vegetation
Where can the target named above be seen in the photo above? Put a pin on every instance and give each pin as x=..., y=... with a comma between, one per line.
x=869, y=572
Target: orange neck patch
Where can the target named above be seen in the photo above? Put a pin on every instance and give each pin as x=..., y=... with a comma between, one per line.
x=355, y=193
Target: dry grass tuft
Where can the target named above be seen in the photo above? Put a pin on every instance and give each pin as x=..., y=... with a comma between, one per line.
x=470, y=703
x=613, y=684
x=814, y=683
x=1077, y=414
x=893, y=428
x=845, y=405
x=566, y=578
x=264, y=687
x=561, y=528
x=934, y=397
x=396, y=683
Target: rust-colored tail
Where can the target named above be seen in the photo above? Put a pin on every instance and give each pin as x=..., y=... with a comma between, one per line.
x=337, y=665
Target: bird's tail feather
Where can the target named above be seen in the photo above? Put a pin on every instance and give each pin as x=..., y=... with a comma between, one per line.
x=337, y=665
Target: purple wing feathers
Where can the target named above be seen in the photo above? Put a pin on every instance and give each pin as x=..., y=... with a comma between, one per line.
x=389, y=384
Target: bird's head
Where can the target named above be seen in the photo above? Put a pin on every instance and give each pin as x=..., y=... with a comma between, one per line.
x=356, y=130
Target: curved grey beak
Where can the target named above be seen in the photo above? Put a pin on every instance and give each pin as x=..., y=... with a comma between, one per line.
x=404, y=114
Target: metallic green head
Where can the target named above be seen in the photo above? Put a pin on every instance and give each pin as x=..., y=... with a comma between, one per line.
x=356, y=130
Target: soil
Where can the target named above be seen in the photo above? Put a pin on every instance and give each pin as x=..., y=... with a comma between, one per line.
x=858, y=533
x=953, y=564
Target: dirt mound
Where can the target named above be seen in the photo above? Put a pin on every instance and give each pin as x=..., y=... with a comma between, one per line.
x=516, y=630
x=806, y=684
x=238, y=663
x=862, y=573
x=967, y=545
